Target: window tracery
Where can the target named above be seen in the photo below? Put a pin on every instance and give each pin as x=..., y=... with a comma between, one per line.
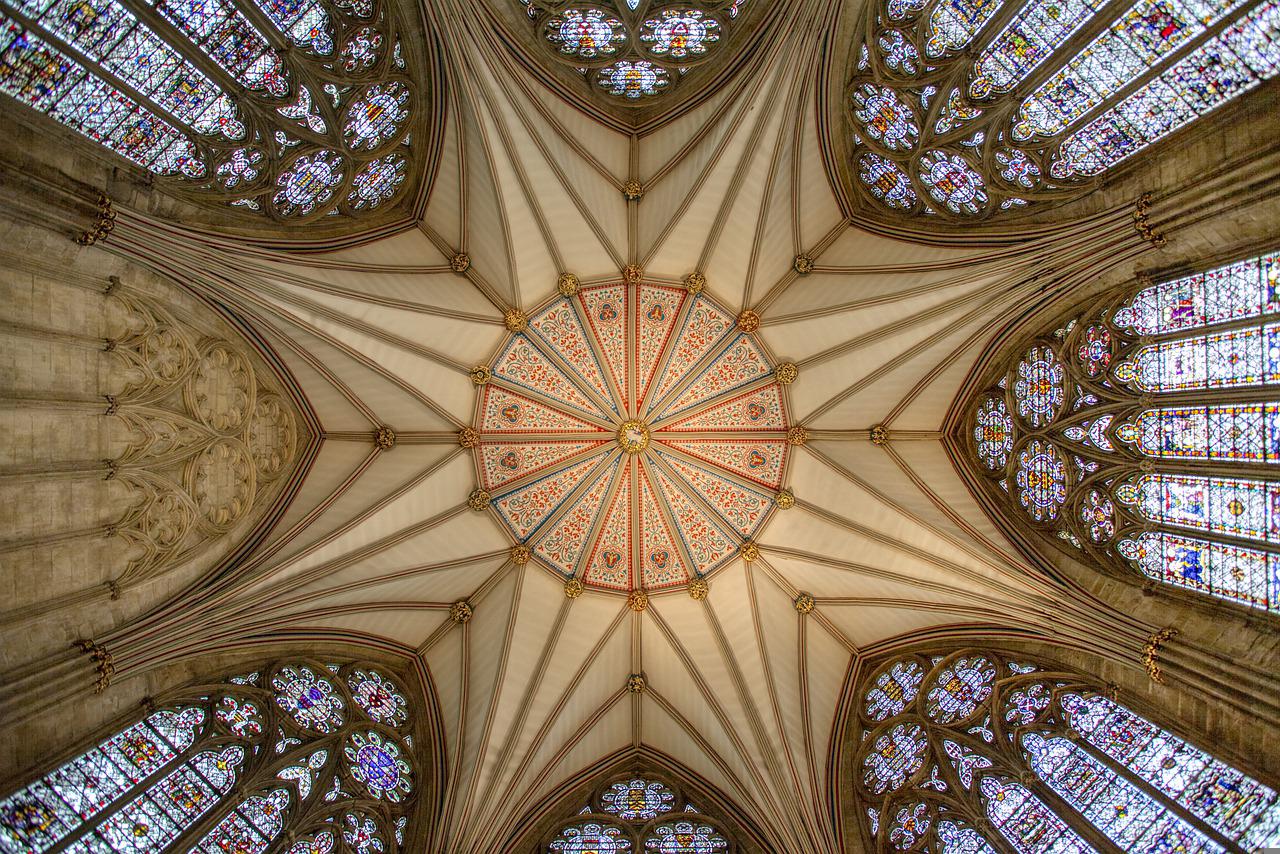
x=966, y=109
x=979, y=752
x=639, y=814
x=632, y=50
x=291, y=109
x=1144, y=433
x=321, y=750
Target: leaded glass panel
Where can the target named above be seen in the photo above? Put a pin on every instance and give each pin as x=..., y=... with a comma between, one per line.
x=167, y=781
x=1039, y=96
x=1147, y=432
x=211, y=94
x=1054, y=767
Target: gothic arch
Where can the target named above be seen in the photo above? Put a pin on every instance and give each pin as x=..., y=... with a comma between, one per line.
x=900, y=117
x=268, y=750
x=947, y=702
x=634, y=796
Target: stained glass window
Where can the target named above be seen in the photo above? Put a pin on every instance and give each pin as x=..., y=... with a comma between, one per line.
x=207, y=93
x=1113, y=80
x=1039, y=764
x=640, y=814
x=1090, y=448
x=634, y=50
x=276, y=739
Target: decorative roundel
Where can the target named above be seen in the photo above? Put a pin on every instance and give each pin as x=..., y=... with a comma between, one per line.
x=632, y=437
x=894, y=689
x=375, y=761
x=897, y=753
x=310, y=699
x=1041, y=480
x=1094, y=351
x=1038, y=388
x=993, y=433
x=379, y=697
x=638, y=799
x=242, y=717
x=959, y=688
x=685, y=837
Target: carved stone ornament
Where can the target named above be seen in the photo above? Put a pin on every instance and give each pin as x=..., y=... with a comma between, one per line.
x=1151, y=653
x=205, y=437
x=805, y=603
x=785, y=499
x=698, y=589
x=573, y=588
x=461, y=611
x=480, y=375
x=786, y=373
x=797, y=436
x=515, y=320
x=104, y=223
x=520, y=555
x=468, y=437
x=567, y=284
x=460, y=263
x=384, y=438
x=632, y=274
x=633, y=190
x=638, y=600
x=749, y=321
x=636, y=683
x=879, y=435
x=803, y=265
x=103, y=662
x=478, y=499
x=695, y=283
x=750, y=551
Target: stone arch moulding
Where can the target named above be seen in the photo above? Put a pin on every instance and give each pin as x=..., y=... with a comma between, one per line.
x=369, y=135
x=1016, y=662
x=363, y=703
x=541, y=823
x=1230, y=138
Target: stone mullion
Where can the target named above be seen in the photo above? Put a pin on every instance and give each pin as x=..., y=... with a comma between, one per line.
x=1146, y=76
x=95, y=68
x=1159, y=797
x=1101, y=21
x=139, y=789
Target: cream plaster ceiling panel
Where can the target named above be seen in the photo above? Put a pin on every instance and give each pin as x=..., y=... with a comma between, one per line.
x=531, y=677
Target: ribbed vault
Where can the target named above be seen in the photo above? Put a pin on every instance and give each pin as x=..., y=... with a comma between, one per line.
x=884, y=540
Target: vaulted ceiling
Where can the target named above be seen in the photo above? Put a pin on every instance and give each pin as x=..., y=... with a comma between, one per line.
x=743, y=687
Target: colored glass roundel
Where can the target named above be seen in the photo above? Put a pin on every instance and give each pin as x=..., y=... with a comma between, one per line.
x=632, y=437
x=1038, y=387
x=638, y=799
x=896, y=754
x=1042, y=480
x=378, y=697
x=375, y=760
x=308, y=698
x=958, y=689
x=993, y=433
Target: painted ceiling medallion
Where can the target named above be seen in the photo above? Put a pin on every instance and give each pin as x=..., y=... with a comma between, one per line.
x=632, y=436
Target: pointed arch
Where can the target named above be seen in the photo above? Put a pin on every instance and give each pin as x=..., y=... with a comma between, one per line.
x=633, y=799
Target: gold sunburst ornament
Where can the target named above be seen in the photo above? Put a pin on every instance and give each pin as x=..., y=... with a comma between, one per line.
x=633, y=436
